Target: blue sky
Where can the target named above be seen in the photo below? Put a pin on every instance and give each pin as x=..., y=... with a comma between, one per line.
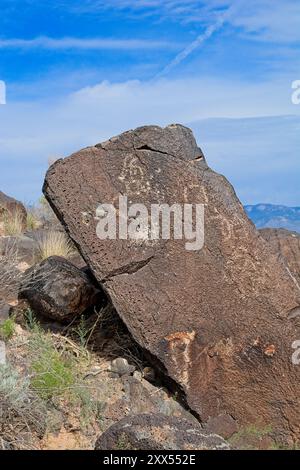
x=78, y=72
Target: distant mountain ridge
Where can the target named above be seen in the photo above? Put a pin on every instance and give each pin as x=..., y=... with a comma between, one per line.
x=274, y=216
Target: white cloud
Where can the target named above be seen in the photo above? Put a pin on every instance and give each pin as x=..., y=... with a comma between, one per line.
x=31, y=132
x=267, y=20
x=45, y=42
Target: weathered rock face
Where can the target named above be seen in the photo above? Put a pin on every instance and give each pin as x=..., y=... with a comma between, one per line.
x=216, y=318
x=9, y=205
x=287, y=244
x=56, y=289
x=158, y=432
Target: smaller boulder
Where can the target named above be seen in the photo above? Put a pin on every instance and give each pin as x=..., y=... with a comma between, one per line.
x=58, y=290
x=120, y=367
x=10, y=206
x=158, y=432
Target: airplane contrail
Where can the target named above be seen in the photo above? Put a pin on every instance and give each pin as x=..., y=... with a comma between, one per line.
x=195, y=44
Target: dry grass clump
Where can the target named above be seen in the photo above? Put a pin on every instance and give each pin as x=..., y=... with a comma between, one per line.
x=13, y=223
x=54, y=243
x=32, y=221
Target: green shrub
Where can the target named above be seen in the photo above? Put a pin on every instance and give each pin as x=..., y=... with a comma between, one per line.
x=53, y=372
x=32, y=221
x=7, y=329
x=58, y=372
x=20, y=408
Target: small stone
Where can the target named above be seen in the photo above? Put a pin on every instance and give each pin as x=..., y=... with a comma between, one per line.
x=121, y=367
x=58, y=290
x=138, y=375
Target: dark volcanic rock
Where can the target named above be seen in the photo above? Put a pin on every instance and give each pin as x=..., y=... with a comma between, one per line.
x=56, y=289
x=9, y=205
x=158, y=432
x=216, y=319
x=287, y=244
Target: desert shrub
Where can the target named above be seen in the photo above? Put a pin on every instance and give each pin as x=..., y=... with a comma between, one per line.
x=53, y=371
x=13, y=223
x=249, y=437
x=82, y=331
x=32, y=220
x=21, y=411
x=58, y=369
x=31, y=320
x=54, y=243
x=53, y=375
x=7, y=329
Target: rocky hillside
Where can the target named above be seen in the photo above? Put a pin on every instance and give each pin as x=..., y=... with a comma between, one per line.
x=274, y=216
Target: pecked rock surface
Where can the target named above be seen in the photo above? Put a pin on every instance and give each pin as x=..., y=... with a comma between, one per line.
x=216, y=319
x=287, y=244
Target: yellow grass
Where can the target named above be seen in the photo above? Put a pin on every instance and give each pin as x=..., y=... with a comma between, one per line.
x=13, y=223
x=32, y=221
x=54, y=244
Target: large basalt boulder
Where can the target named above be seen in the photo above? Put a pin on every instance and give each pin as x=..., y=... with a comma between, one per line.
x=158, y=432
x=286, y=244
x=216, y=320
x=58, y=290
x=10, y=206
